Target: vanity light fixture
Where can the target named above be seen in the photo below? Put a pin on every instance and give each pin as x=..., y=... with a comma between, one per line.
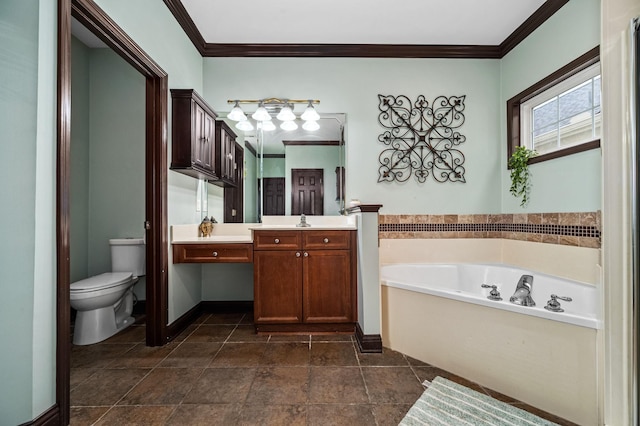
x=283, y=108
x=310, y=113
x=261, y=114
x=236, y=113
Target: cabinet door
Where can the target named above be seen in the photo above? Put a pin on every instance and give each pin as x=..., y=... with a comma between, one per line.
x=198, y=146
x=327, y=291
x=209, y=152
x=277, y=292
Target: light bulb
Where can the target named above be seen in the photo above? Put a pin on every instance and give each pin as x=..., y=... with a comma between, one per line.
x=288, y=125
x=236, y=113
x=311, y=125
x=261, y=114
x=245, y=126
x=310, y=113
x=267, y=126
x=286, y=114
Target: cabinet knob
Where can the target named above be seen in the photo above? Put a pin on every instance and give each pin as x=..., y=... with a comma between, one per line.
x=229, y=156
x=306, y=254
x=326, y=240
x=297, y=254
x=215, y=254
x=277, y=241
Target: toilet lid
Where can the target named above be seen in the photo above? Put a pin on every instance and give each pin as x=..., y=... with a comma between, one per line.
x=102, y=281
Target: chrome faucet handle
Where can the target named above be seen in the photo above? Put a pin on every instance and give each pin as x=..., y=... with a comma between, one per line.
x=494, y=294
x=554, y=306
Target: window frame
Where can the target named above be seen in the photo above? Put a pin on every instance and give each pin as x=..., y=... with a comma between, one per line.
x=514, y=123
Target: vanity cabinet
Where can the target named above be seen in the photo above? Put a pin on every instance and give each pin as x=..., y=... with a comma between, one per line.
x=193, y=147
x=212, y=253
x=304, y=281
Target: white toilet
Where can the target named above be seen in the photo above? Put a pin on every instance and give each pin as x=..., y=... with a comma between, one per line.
x=104, y=302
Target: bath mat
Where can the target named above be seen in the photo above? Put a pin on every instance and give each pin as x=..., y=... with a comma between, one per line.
x=446, y=403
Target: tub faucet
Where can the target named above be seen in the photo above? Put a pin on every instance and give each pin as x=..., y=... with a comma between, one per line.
x=522, y=295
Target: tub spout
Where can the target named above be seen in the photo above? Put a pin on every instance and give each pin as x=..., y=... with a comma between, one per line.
x=522, y=295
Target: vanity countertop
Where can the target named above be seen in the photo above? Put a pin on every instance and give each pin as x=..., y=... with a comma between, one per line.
x=215, y=239
x=293, y=227
x=223, y=233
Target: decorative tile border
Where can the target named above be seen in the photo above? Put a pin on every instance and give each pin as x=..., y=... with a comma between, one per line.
x=574, y=229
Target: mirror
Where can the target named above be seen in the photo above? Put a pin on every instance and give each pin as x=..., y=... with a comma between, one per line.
x=296, y=171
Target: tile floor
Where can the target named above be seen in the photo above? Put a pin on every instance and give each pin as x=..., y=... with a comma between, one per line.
x=218, y=372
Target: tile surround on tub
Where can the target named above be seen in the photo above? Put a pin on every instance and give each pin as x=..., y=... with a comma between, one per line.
x=573, y=229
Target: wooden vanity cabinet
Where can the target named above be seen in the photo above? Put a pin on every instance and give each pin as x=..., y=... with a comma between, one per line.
x=193, y=149
x=304, y=281
x=213, y=253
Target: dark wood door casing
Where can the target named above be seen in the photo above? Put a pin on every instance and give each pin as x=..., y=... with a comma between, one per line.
x=156, y=113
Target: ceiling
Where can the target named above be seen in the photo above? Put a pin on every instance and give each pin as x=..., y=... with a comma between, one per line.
x=398, y=28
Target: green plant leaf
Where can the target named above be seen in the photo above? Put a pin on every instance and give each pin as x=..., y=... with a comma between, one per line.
x=519, y=166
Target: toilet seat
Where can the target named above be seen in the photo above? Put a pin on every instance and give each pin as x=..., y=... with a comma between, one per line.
x=103, y=281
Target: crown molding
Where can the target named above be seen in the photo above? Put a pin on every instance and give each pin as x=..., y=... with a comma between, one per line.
x=266, y=50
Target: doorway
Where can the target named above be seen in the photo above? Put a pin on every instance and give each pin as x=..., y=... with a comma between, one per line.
x=307, y=192
x=155, y=224
x=273, y=196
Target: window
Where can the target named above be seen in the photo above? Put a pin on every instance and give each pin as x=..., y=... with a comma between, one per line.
x=561, y=114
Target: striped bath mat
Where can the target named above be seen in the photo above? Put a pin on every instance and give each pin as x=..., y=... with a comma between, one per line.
x=450, y=404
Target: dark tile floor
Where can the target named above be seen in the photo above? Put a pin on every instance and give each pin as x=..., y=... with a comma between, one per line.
x=218, y=372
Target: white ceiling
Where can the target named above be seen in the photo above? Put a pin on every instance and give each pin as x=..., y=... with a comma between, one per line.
x=457, y=22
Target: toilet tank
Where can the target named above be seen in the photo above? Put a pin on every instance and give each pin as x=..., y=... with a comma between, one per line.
x=128, y=255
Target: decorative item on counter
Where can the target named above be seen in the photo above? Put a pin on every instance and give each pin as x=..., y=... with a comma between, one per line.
x=206, y=226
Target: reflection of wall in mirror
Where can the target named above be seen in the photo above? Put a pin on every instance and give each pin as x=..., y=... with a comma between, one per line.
x=250, y=186
x=314, y=157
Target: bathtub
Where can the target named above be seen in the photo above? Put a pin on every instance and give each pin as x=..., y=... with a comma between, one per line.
x=463, y=282
x=440, y=314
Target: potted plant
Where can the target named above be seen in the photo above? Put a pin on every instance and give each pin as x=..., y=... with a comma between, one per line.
x=519, y=165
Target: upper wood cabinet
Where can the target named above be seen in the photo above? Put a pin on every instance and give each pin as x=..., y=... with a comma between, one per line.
x=201, y=146
x=193, y=148
x=226, y=165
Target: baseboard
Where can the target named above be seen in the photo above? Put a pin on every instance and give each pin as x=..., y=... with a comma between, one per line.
x=368, y=343
x=51, y=417
x=207, y=306
x=226, y=306
x=185, y=320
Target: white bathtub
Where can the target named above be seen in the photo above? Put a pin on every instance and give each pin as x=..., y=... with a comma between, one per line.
x=439, y=314
x=463, y=282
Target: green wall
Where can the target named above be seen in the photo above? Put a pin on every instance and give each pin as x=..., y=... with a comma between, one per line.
x=107, y=158
x=80, y=138
x=331, y=80
x=27, y=247
x=155, y=30
x=566, y=184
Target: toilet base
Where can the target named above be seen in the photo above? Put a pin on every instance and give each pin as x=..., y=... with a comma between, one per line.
x=99, y=324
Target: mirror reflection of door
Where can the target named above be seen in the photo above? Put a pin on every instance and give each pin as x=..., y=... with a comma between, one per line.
x=307, y=191
x=273, y=201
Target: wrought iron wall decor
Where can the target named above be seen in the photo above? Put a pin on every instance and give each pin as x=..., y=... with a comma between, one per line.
x=421, y=138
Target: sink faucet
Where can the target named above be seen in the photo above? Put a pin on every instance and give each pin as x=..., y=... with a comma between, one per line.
x=522, y=295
